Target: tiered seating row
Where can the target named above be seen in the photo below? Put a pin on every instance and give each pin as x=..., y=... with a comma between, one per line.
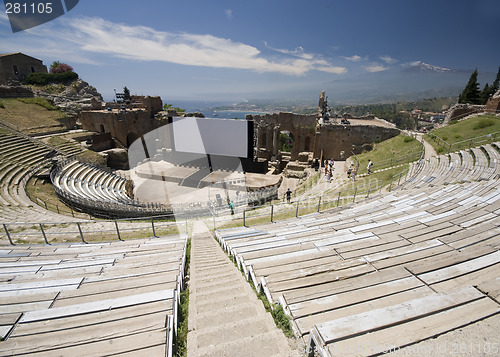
x=408, y=260
x=91, y=183
x=92, y=299
x=18, y=155
x=458, y=167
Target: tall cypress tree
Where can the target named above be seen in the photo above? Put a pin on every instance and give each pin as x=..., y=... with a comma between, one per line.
x=471, y=93
x=496, y=83
x=485, y=94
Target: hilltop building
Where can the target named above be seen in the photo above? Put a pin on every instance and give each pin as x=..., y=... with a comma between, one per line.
x=15, y=67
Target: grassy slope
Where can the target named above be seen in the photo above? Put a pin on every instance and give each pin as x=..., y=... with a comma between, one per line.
x=394, y=148
x=30, y=117
x=466, y=130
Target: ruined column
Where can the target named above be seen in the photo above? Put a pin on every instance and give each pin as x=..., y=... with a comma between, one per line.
x=276, y=142
x=260, y=132
x=269, y=137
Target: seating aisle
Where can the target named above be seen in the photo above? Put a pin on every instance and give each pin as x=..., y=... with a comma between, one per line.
x=225, y=316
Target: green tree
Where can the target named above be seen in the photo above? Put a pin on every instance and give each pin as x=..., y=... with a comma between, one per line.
x=126, y=93
x=285, y=142
x=167, y=106
x=471, y=93
x=485, y=93
x=496, y=83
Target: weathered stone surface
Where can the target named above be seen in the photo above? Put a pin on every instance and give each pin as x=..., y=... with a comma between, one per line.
x=459, y=111
x=15, y=91
x=117, y=158
x=325, y=140
x=76, y=97
x=493, y=103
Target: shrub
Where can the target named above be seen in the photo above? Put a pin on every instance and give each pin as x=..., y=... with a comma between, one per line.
x=43, y=79
x=2, y=105
x=282, y=320
x=58, y=67
x=409, y=139
x=483, y=123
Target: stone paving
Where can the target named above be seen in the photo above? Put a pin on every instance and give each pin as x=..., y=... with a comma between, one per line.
x=225, y=316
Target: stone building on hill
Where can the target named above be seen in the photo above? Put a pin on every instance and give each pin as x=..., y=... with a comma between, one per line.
x=14, y=67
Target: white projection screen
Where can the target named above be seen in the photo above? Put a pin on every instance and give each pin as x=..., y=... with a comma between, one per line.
x=225, y=137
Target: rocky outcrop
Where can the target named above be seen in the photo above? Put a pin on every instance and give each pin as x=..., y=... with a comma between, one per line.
x=459, y=111
x=493, y=104
x=74, y=98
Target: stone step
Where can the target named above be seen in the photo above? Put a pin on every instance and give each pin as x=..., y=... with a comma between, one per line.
x=269, y=344
x=218, y=302
x=225, y=316
x=232, y=330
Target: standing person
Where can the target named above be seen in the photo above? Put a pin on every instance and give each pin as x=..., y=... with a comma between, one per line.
x=349, y=172
x=369, y=167
x=231, y=206
x=353, y=174
x=328, y=175
x=288, y=195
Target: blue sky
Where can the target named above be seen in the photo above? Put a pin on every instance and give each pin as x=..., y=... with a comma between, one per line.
x=233, y=50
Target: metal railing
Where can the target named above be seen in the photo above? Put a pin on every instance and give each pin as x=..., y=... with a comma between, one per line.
x=464, y=144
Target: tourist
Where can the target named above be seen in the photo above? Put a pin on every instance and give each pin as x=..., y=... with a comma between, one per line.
x=288, y=195
x=231, y=206
x=353, y=174
x=369, y=167
x=328, y=175
x=349, y=171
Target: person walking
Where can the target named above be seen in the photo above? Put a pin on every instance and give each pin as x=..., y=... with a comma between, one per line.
x=369, y=167
x=288, y=195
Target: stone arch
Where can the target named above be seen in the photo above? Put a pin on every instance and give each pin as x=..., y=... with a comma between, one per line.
x=131, y=137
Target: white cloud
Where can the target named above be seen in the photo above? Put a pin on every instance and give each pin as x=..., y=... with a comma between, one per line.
x=229, y=14
x=146, y=44
x=375, y=68
x=82, y=38
x=354, y=58
x=313, y=60
x=388, y=59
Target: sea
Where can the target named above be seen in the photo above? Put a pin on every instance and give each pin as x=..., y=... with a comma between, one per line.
x=209, y=108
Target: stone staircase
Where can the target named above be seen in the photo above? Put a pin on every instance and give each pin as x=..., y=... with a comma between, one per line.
x=225, y=316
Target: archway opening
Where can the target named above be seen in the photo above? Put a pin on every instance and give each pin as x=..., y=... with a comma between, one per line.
x=131, y=137
x=286, y=141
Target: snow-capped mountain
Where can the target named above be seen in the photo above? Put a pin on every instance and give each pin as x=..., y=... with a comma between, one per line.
x=412, y=81
x=422, y=66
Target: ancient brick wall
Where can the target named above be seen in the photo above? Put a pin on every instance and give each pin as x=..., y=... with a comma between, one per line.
x=123, y=125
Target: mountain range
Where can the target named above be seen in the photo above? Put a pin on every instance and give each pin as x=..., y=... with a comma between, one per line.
x=413, y=81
